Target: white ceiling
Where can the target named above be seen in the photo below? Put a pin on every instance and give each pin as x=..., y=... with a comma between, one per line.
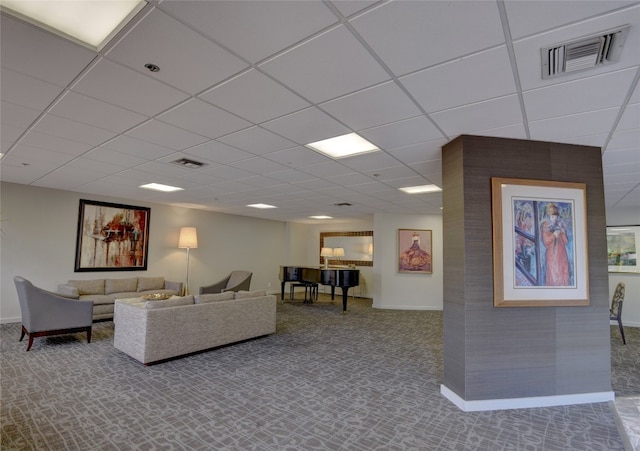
x=243, y=85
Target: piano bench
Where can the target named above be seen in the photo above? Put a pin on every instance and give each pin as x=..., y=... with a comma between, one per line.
x=308, y=286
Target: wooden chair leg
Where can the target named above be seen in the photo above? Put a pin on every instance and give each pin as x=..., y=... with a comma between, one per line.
x=89, y=334
x=24, y=331
x=30, y=342
x=624, y=342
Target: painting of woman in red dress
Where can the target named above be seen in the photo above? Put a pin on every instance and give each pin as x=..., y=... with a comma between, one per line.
x=555, y=240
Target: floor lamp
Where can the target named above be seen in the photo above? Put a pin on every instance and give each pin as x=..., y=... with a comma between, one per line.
x=188, y=240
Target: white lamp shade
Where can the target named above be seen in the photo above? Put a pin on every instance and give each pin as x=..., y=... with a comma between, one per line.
x=338, y=252
x=188, y=238
x=326, y=252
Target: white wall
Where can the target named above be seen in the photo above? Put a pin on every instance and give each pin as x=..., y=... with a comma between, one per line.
x=395, y=290
x=38, y=239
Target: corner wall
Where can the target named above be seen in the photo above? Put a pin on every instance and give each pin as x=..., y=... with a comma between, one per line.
x=525, y=352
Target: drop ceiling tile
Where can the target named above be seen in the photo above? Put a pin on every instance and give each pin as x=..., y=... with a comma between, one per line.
x=423, y=151
x=25, y=175
x=121, y=159
x=296, y=157
x=578, y=96
x=9, y=134
x=479, y=116
x=481, y=76
x=88, y=165
x=373, y=106
x=306, y=126
x=402, y=133
x=289, y=176
x=118, y=85
x=255, y=96
x=515, y=131
x=166, y=135
x=186, y=59
x=631, y=200
x=427, y=167
x=370, y=161
x=630, y=117
x=258, y=29
x=66, y=178
x=54, y=143
x=218, y=152
x=327, y=169
x=94, y=112
x=573, y=125
x=626, y=139
x=527, y=18
x=26, y=91
x=257, y=140
x=65, y=128
x=351, y=179
x=349, y=7
x=259, y=165
x=596, y=140
x=58, y=60
x=622, y=169
x=261, y=181
x=620, y=157
x=527, y=50
x=226, y=173
x=414, y=180
x=202, y=118
x=454, y=28
x=138, y=148
x=34, y=157
x=179, y=155
x=169, y=170
x=304, y=68
x=17, y=115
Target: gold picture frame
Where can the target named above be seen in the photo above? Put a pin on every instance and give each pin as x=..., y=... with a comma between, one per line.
x=540, y=254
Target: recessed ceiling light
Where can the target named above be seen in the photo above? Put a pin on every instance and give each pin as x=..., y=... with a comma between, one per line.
x=88, y=22
x=160, y=187
x=261, y=206
x=321, y=217
x=343, y=146
x=421, y=189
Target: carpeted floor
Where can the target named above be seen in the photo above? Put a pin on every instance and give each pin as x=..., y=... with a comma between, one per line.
x=368, y=380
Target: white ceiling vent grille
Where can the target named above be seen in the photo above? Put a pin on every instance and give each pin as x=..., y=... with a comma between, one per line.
x=583, y=53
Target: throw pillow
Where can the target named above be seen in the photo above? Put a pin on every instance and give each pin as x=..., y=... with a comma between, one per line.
x=250, y=294
x=214, y=297
x=120, y=285
x=93, y=286
x=150, y=283
x=185, y=300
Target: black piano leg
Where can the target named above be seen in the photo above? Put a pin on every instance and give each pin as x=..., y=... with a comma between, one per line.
x=282, y=291
x=333, y=292
x=345, y=295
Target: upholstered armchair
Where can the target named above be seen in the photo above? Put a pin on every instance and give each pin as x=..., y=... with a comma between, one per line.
x=615, y=312
x=236, y=281
x=45, y=313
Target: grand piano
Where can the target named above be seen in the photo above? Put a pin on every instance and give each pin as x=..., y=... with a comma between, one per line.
x=334, y=277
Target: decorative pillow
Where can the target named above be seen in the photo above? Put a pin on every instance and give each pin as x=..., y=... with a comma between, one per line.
x=250, y=294
x=120, y=285
x=185, y=300
x=214, y=297
x=93, y=286
x=150, y=283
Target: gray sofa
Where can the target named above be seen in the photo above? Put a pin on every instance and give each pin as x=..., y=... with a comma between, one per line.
x=103, y=292
x=153, y=331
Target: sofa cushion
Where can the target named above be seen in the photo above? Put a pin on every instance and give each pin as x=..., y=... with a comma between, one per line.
x=120, y=285
x=92, y=286
x=250, y=294
x=150, y=283
x=213, y=297
x=185, y=300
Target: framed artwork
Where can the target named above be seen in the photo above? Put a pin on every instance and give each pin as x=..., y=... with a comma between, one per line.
x=622, y=248
x=112, y=237
x=539, y=243
x=414, y=251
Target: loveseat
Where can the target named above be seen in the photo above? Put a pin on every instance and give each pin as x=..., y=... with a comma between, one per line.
x=103, y=292
x=153, y=331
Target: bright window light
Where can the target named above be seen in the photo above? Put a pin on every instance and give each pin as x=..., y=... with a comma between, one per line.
x=421, y=189
x=261, y=206
x=160, y=187
x=321, y=217
x=343, y=146
x=91, y=22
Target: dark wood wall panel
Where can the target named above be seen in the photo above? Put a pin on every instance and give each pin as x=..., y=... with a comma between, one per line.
x=495, y=353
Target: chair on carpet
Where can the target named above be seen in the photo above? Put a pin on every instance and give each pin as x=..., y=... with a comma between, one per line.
x=236, y=281
x=615, y=313
x=45, y=313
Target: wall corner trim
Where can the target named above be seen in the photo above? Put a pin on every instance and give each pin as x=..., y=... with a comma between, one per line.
x=525, y=403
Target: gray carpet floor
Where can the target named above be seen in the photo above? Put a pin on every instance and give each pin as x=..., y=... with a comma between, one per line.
x=368, y=380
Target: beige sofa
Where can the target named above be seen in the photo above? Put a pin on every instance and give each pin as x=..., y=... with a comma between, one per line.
x=103, y=292
x=152, y=331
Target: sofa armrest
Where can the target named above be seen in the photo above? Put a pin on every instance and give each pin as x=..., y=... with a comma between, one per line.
x=175, y=286
x=68, y=291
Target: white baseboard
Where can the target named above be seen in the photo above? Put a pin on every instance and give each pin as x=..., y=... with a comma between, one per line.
x=407, y=307
x=16, y=319
x=525, y=403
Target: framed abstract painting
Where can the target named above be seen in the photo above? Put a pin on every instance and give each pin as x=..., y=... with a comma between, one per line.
x=539, y=243
x=622, y=249
x=112, y=237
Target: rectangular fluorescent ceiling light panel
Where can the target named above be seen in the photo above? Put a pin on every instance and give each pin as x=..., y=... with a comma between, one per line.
x=421, y=189
x=261, y=206
x=160, y=187
x=321, y=217
x=343, y=146
x=89, y=22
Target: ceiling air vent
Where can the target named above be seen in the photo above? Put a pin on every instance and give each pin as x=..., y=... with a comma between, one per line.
x=190, y=164
x=583, y=53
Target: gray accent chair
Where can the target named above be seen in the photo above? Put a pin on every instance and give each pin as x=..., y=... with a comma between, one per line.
x=615, y=313
x=236, y=281
x=45, y=313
